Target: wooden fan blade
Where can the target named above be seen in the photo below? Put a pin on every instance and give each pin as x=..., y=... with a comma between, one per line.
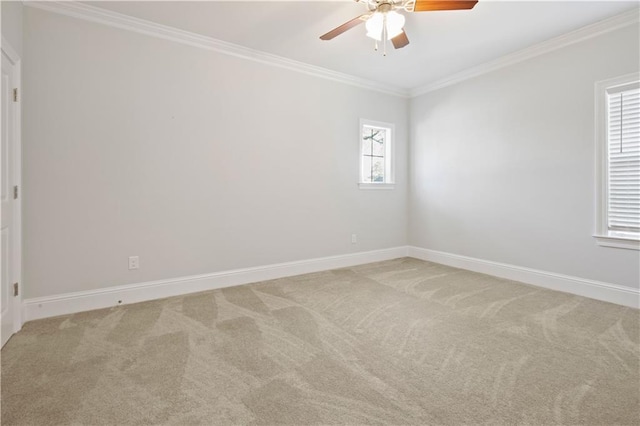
x=344, y=27
x=431, y=5
x=400, y=41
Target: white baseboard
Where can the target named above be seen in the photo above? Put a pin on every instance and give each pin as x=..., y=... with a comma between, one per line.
x=69, y=303
x=598, y=290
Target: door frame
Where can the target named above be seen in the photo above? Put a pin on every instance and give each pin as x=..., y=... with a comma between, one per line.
x=16, y=162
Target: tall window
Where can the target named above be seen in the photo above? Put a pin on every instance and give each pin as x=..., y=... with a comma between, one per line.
x=376, y=165
x=618, y=115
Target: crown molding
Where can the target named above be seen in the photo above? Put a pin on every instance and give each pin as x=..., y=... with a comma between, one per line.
x=611, y=24
x=118, y=20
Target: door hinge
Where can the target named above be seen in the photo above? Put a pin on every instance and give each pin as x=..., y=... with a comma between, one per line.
x=15, y=95
x=15, y=289
x=15, y=192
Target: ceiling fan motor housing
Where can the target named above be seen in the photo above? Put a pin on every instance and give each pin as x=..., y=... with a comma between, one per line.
x=384, y=7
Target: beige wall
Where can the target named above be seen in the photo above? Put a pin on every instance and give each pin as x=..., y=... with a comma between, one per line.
x=199, y=162
x=12, y=23
x=195, y=161
x=503, y=165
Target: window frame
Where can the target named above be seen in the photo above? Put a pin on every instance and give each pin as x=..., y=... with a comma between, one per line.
x=604, y=236
x=389, y=182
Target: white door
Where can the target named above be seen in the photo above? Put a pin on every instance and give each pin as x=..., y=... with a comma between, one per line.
x=7, y=182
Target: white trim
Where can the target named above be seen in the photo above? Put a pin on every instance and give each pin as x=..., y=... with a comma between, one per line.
x=603, y=236
x=17, y=180
x=363, y=185
x=598, y=290
x=118, y=20
x=69, y=303
x=390, y=153
x=619, y=21
x=630, y=243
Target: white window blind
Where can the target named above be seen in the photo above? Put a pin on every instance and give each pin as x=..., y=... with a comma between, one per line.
x=623, y=144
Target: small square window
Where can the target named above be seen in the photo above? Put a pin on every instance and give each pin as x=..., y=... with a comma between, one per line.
x=376, y=155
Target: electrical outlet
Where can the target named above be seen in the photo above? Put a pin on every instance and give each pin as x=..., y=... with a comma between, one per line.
x=354, y=238
x=134, y=262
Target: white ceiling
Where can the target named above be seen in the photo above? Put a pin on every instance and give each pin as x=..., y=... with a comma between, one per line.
x=442, y=43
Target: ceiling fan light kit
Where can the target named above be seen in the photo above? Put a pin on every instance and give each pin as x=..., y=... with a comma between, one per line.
x=385, y=25
x=383, y=22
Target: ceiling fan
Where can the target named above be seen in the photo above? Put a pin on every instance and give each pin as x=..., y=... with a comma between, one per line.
x=383, y=22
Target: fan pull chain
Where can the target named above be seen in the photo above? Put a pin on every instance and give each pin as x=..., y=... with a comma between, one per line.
x=384, y=35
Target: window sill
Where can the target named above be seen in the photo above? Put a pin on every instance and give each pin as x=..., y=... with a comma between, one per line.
x=623, y=240
x=376, y=185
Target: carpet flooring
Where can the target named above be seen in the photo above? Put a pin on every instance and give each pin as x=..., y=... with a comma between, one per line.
x=401, y=342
